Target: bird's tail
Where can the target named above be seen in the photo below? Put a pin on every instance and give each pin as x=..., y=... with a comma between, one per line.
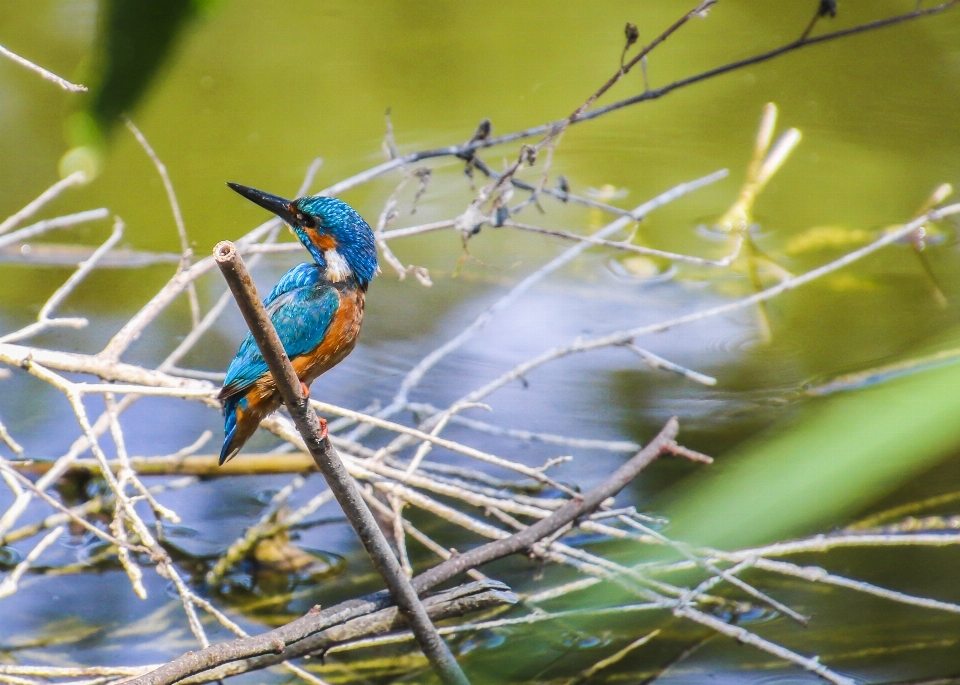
x=243, y=412
x=235, y=430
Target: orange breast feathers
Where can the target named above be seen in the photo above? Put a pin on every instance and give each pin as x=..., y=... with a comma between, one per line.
x=339, y=341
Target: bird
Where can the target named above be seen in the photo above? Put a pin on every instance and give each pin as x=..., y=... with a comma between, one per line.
x=316, y=307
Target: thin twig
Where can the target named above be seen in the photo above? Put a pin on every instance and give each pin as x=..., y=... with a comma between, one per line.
x=45, y=74
x=416, y=374
x=44, y=320
x=14, y=220
x=9, y=584
x=41, y=227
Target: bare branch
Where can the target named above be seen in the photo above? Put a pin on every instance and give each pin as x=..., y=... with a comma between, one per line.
x=46, y=75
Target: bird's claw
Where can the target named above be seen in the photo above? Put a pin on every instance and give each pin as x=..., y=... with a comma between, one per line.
x=306, y=390
x=322, y=434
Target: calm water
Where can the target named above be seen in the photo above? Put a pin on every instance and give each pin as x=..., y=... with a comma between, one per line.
x=253, y=94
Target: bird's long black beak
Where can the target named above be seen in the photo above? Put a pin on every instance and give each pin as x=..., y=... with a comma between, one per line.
x=276, y=204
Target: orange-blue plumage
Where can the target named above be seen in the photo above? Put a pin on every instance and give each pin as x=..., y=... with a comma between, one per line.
x=317, y=308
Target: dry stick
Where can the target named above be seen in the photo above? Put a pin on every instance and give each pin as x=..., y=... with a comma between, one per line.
x=47, y=75
x=276, y=641
x=416, y=374
x=96, y=505
x=83, y=269
x=63, y=509
x=417, y=230
x=14, y=220
x=625, y=246
x=744, y=636
x=127, y=475
x=628, y=336
x=14, y=680
x=815, y=574
x=11, y=483
x=41, y=227
x=618, y=656
x=205, y=465
x=655, y=361
x=9, y=584
x=417, y=534
x=263, y=463
x=186, y=253
x=240, y=632
x=718, y=573
x=70, y=671
x=8, y=440
x=94, y=365
x=569, y=512
x=389, y=213
x=457, y=601
x=528, y=619
x=530, y=436
x=530, y=472
x=474, y=493
x=340, y=482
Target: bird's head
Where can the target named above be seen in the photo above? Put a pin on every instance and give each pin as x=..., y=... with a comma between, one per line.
x=337, y=237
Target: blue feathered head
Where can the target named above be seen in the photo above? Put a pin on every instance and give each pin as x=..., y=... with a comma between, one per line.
x=334, y=233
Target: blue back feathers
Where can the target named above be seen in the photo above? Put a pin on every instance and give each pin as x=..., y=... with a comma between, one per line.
x=351, y=235
x=301, y=306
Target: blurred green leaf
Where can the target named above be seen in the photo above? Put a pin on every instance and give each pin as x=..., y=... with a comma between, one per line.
x=135, y=38
x=834, y=458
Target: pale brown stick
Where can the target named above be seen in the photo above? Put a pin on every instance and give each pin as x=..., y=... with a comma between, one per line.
x=343, y=486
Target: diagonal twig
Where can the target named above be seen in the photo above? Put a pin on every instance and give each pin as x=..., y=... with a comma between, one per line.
x=340, y=482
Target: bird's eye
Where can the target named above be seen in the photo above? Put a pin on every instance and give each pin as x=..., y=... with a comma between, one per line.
x=306, y=221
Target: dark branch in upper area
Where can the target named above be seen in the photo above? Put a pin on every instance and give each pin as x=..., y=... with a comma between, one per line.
x=467, y=149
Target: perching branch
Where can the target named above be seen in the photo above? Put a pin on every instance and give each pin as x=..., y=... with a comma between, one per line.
x=323, y=453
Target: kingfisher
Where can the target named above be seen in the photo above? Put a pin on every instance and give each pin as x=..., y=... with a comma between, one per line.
x=316, y=308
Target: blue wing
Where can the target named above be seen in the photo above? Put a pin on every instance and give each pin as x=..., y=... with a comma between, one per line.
x=301, y=307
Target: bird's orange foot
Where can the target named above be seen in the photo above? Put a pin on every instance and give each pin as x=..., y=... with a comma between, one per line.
x=306, y=390
x=323, y=428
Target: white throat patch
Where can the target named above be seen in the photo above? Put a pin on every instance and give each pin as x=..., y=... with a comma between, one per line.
x=337, y=267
